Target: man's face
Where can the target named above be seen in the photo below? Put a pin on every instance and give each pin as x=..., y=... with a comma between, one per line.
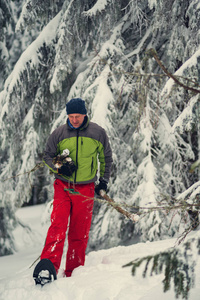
x=76, y=119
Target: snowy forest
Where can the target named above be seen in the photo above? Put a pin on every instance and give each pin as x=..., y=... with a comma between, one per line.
x=136, y=63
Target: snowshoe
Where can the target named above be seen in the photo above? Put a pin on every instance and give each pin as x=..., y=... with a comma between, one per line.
x=44, y=272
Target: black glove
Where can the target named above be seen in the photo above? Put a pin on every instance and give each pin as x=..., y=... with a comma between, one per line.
x=67, y=169
x=101, y=186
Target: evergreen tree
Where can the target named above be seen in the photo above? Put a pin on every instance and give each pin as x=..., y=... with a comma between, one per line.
x=177, y=265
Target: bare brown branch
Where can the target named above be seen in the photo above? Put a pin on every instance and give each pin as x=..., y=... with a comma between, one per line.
x=153, y=53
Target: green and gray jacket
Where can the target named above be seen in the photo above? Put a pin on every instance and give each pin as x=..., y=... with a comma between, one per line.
x=87, y=145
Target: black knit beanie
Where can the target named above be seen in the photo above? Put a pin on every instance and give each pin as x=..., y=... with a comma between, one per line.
x=76, y=106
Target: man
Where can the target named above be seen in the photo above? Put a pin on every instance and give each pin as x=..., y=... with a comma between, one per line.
x=86, y=143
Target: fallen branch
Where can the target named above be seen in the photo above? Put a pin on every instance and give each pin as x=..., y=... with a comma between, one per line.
x=133, y=217
x=37, y=166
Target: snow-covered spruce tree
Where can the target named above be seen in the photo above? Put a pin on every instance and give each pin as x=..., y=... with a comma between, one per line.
x=96, y=50
x=159, y=154
x=20, y=101
x=7, y=46
x=169, y=149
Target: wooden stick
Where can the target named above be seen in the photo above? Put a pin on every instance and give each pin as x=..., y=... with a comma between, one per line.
x=133, y=217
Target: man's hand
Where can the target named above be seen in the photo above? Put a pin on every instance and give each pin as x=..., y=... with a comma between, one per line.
x=101, y=186
x=67, y=169
x=64, y=164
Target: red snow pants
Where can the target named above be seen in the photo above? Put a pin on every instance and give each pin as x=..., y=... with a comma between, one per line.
x=73, y=210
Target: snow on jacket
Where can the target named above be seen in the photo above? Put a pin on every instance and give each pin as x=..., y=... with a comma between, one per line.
x=87, y=145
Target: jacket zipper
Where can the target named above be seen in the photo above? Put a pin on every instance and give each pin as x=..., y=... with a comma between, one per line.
x=92, y=164
x=77, y=136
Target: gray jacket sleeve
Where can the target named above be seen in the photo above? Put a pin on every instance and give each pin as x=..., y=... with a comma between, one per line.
x=51, y=151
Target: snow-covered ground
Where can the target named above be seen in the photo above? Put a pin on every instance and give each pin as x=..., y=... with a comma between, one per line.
x=102, y=277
